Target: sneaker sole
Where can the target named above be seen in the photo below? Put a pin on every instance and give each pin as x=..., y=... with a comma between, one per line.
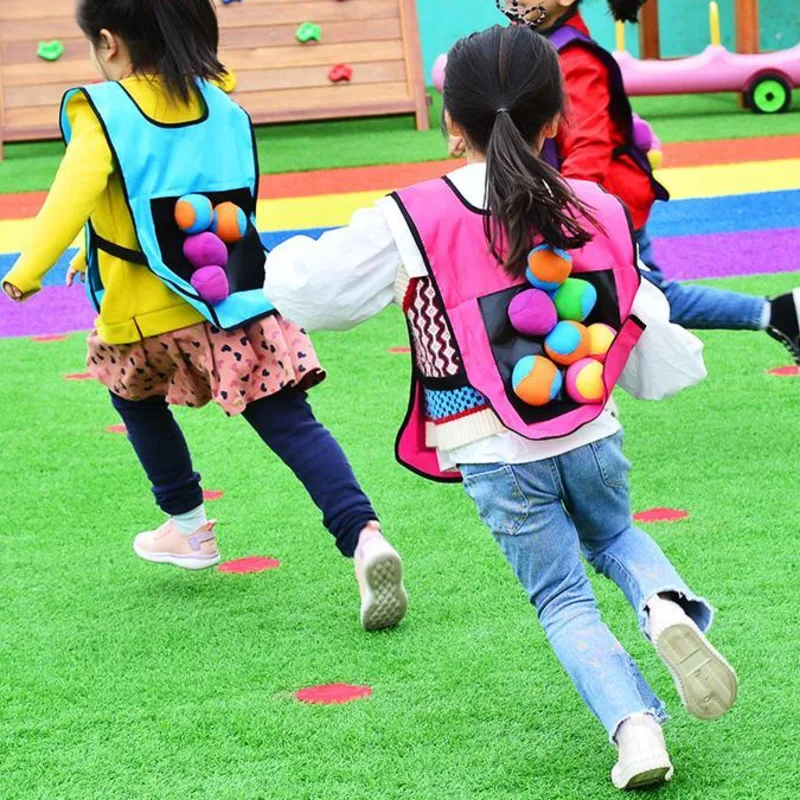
x=184, y=562
x=706, y=683
x=386, y=601
x=642, y=776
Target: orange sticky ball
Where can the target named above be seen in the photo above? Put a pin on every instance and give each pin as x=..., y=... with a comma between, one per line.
x=230, y=222
x=536, y=380
x=548, y=267
x=567, y=343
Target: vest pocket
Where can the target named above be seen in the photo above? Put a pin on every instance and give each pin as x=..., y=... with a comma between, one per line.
x=246, y=258
x=508, y=346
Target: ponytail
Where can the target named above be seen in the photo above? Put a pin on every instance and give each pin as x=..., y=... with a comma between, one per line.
x=526, y=197
x=625, y=10
x=174, y=39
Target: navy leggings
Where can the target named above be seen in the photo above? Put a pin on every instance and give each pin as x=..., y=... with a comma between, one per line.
x=288, y=427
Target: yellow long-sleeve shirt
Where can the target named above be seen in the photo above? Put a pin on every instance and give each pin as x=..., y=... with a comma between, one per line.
x=135, y=303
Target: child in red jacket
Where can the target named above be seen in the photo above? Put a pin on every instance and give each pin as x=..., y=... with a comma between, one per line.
x=593, y=143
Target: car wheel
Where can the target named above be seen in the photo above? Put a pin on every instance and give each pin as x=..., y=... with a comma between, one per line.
x=770, y=94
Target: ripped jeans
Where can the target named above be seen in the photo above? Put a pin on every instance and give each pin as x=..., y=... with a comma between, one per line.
x=544, y=514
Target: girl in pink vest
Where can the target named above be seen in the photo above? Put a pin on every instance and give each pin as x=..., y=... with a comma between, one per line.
x=493, y=400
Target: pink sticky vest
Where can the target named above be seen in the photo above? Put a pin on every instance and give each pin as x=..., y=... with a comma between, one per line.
x=475, y=292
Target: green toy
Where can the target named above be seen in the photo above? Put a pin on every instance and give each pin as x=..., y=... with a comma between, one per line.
x=50, y=51
x=308, y=32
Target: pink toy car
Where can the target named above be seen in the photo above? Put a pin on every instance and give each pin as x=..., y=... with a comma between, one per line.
x=765, y=79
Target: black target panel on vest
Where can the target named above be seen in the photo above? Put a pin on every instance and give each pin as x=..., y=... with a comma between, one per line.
x=509, y=346
x=246, y=258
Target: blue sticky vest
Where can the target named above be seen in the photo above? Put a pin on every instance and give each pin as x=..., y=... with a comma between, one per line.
x=158, y=163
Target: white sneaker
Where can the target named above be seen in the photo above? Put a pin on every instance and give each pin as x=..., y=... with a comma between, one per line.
x=706, y=683
x=168, y=545
x=379, y=572
x=643, y=759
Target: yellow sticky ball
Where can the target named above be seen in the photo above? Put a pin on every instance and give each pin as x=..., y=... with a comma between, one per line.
x=656, y=158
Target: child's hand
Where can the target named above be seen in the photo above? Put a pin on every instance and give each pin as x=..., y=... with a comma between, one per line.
x=74, y=272
x=456, y=146
x=12, y=291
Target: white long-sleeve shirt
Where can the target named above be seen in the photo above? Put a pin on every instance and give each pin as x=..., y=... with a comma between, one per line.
x=350, y=274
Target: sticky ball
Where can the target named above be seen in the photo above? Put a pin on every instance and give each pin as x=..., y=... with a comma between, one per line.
x=584, y=381
x=548, y=267
x=211, y=284
x=230, y=222
x=600, y=339
x=575, y=300
x=567, y=343
x=532, y=313
x=536, y=380
x=642, y=134
x=194, y=213
x=205, y=250
x=656, y=158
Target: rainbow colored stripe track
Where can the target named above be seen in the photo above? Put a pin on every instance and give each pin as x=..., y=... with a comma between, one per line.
x=732, y=213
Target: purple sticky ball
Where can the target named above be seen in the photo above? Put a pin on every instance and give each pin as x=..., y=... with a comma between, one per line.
x=211, y=284
x=205, y=250
x=533, y=313
x=642, y=134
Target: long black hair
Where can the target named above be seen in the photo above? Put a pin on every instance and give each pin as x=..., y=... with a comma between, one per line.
x=176, y=39
x=502, y=87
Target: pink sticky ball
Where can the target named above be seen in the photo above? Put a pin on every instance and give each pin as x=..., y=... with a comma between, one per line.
x=211, y=284
x=205, y=250
x=532, y=313
x=439, y=67
x=642, y=134
x=584, y=382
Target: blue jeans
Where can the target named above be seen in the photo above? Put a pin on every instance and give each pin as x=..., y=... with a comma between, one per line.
x=286, y=424
x=544, y=515
x=702, y=307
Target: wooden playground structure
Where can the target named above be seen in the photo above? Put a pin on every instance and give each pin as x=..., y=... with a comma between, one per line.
x=279, y=77
x=747, y=28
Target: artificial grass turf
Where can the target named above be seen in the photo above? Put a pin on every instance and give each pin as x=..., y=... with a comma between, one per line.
x=394, y=140
x=126, y=680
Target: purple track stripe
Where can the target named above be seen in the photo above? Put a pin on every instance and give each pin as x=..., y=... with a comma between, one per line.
x=727, y=255
x=56, y=309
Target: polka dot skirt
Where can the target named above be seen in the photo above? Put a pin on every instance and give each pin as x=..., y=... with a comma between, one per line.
x=195, y=365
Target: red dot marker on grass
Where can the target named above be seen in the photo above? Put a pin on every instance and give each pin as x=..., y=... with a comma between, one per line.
x=49, y=337
x=78, y=376
x=399, y=350
x=244, y=566
x=212, y=494
x=785, y=372
x=333, y=693
x=117, y=428
x=661, y=515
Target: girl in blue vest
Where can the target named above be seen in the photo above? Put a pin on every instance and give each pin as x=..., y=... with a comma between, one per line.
x=596, y=143
x=158, y=130
x=550, y=482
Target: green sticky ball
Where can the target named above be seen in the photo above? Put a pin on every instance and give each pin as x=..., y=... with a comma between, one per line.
x=575, y=300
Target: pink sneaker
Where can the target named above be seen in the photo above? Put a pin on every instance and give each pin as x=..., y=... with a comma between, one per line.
x=379, y=572
x=168, y=545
